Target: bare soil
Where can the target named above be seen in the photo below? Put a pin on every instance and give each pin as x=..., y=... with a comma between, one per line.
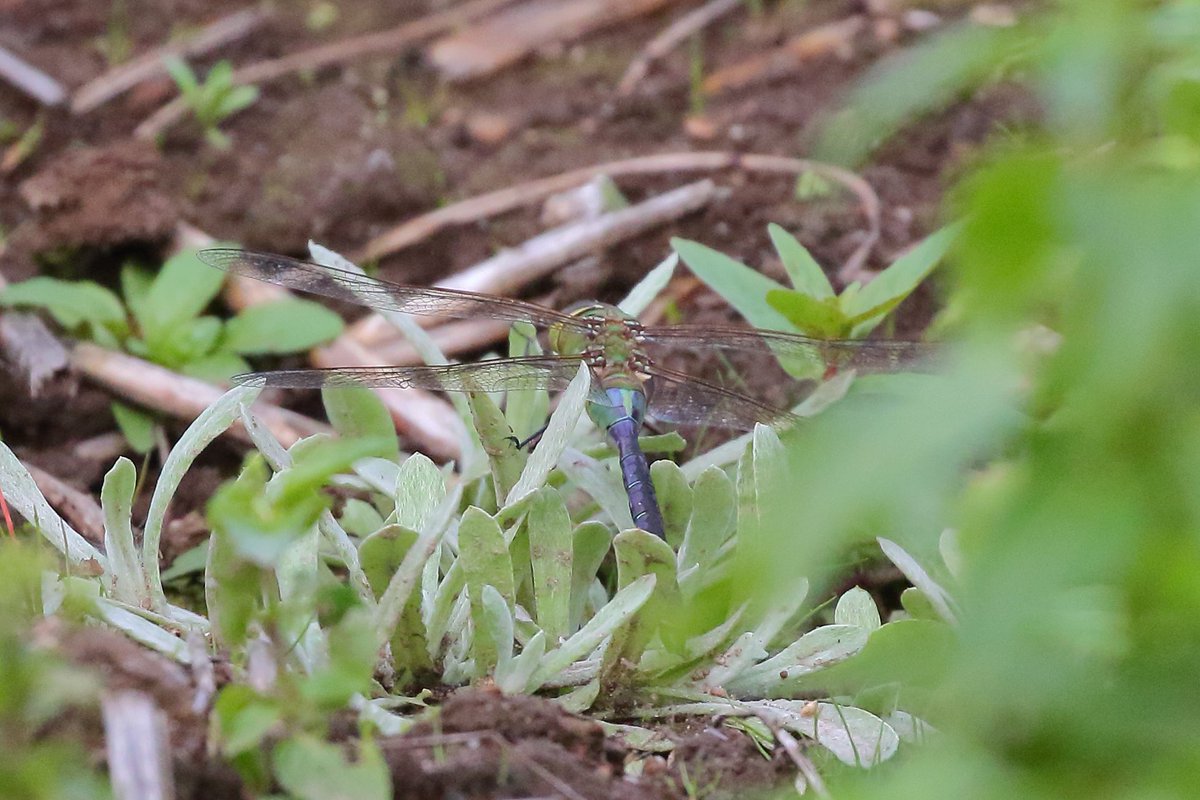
x=342, y=154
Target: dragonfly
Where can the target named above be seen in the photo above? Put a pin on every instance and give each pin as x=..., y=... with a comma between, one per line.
x=631, y=384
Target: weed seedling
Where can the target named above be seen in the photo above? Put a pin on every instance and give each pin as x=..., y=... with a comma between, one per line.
x=214, y=100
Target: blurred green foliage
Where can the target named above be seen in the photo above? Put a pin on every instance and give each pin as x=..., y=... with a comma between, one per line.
x=1071, y=479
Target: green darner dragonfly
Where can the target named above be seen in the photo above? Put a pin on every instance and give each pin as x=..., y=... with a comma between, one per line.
x=630, y=382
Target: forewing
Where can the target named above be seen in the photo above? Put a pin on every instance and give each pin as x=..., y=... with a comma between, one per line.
x=381, y=295
x=500, y=375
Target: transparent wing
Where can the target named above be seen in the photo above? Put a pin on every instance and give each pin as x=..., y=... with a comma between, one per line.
x=500, y=375
x=362, y=290
x=858, y=354
x=680, y=398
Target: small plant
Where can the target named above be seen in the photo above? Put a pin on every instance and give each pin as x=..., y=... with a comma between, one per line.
x=812, y=308
x=214, y=100
x=162, y=321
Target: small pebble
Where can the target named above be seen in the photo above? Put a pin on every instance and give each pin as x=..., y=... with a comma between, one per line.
x=488, y=128
x=701, y=128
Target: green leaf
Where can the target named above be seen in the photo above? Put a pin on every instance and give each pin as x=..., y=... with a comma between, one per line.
x=803, y=270
x=256, y=528
x=215, y=368
x=135, y=288
x=235, y=100
x=356, y=412
x=915, y=80
x=281, y=326
x=713, y=517
x=311, y=769
x=506, y=461
x=590, y=544
x=820, y=319
x=135, y=425
x=649, y=287
x=243, y=718
x=420, y=489
x=71, y=303
x=351, y=665
x=897, y=282
x=640, y=553
x=183, y=76
x=743, y=288
x=184, y=342
x=182, y=289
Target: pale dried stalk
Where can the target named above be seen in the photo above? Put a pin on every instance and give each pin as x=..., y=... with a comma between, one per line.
x=502, y=200
x=671, y=37
x=135, y=734
x=507, y=271
x=31, y=80
x=160, y=389
x=324, y=55
x=506, y=38
x=823, y=40
x=120, y=79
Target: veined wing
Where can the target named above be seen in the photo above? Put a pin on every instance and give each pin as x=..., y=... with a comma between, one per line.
x=681, y=398
x=864, y=355
x=499, y=375
x=381, y=295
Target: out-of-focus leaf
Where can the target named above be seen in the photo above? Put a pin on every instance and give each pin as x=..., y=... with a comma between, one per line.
x=311, y=769
x=281, y=326
x=805, y=273
x=135, y=425
x=355, y=412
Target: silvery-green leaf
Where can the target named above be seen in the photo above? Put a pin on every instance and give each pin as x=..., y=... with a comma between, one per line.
x=395, y=597
x=751, y=647
x=485, y=559
x=713, y=517
x=939, y=597
x=909, y=728
x=142, y=630
x=211, y=423
x=634, y=738
x=496, y=623
x=951, y=552
x=590, y=544
x=580, y=699
x=602, y=484
x=550, y=551
x=419, y=489
x=554, y=440
x=616, y=613
x=855, y=736
x=116, y=499
x=517, y=674
x=379, y=474
x=641, y=295
x=22, y=493
x=674, y=499
x=857, y=607
x=814, y=651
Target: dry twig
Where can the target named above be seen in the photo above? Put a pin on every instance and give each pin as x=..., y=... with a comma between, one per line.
x=823, y=40
x=515, y=33
x=160, y=389
x=388, y=41
x=135, y=733
x=671, y=37
x=31, y=80
x=510, y=269
x=149, y=65
x=508, y=198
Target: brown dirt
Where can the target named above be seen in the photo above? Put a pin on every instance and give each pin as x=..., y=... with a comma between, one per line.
x=489, y=745
x=343, y=154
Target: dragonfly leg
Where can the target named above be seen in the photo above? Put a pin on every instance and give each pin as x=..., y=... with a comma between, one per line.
x=532, y=438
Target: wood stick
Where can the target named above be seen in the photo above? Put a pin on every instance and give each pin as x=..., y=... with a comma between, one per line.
x=508, y=37
x=176, y=395
x=821, y=41
x=388, y=41
x=31, y=80
x=508, y=270
x=671, y=37
x=487, y=205
x=124, y=77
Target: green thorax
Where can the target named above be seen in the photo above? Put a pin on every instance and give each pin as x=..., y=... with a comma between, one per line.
x=618, y=362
